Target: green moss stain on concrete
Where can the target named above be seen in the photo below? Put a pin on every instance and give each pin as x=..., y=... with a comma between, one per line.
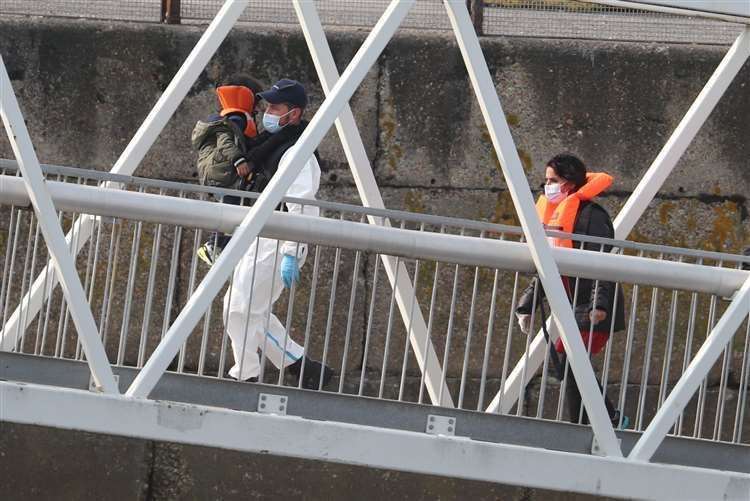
x=526, y=161
x=726, y=233
x=505, y=211
x=413, y=202
x=512, y=119
x=387, y=121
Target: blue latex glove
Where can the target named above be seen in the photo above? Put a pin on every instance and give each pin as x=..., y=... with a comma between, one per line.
x=289, y=270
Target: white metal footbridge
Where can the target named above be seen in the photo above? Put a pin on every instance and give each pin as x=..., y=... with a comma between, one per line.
x=124, y=347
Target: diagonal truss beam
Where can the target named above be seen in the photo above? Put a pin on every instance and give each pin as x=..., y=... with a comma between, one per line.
x=130, y=158
x=639, y=200
x=541, y=252
x=264, y=206
x=63, y=261
x=367, y=187
x=696, y=372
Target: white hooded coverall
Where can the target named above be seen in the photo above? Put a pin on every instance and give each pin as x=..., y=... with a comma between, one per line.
x=248, y=324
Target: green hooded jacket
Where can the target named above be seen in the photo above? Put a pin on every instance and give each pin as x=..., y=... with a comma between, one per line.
x=220, y=146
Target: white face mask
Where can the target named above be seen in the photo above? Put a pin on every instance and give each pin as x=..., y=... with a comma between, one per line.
x=271, y=122
x=553, y=192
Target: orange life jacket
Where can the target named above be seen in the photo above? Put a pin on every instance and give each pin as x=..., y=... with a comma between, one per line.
x=562, y=216
x=238, y=99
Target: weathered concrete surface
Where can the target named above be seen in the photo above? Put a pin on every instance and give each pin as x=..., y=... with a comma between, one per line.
x=48, y=463
x=78, y=465
x=86, y=86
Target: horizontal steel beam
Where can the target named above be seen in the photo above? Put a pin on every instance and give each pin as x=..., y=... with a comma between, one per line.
x=406, y=416
x=368, y=446
x=457, y=249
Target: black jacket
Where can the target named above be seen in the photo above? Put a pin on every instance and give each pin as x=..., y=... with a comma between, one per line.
x=592, y=220
x=266, y=152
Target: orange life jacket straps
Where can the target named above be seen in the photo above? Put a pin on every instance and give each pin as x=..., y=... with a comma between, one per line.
x=562, y=216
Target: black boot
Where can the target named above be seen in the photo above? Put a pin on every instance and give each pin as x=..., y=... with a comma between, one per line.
x=311, y=374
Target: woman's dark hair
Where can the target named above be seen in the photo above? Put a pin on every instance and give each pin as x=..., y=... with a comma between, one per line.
x=569, y=167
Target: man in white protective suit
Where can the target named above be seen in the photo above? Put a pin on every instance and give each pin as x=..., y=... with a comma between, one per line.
x=271, y=265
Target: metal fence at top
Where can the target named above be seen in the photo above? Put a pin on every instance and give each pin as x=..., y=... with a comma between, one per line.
x=122, y=10
x=525, y=18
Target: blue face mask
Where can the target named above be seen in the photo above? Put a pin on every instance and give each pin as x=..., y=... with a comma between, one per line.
x=271, y=122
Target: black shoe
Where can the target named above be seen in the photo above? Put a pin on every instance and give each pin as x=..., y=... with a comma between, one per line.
x=311, y=374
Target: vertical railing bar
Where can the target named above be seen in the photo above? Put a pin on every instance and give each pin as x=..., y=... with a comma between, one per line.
x=508, y=340
x=739, y=415
x=206, y=327
x=520, y=408
x=66, y=323
x=388, y=331
x=469, y=333
x=194, y=263
x=720, y=400
x=352, y=299
x=331, y=305
x=40, y=320
x=543, y=381
x=641, y=410
x=49, y=293
x=407, y=343
x=698, y=428
x=368, y=331
x=37, y=253
x=590, y=339
x=197, y=237
x=267, y=321
x=310, y=311
x=249, y=311
x=171, y=285
x=150, y=292
x=63, y=313
x=449, y=332
x=289, y=316
x=24, y=273
x=225, y=331
x=488, y=343
x=88, y=283
x=12, y=267
x=6, y=262
x=114, y=255
x=688, y=343
x=125, y=326
x=628, y=347
x=608, y=349
x=669, y=345
x=430, y=319
x=566, y=365
x=73, y=245
x=725, y=371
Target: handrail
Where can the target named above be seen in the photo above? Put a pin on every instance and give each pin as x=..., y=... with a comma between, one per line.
x=400, y=215
x=501, y=254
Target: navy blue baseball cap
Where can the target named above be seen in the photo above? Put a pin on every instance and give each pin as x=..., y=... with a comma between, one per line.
x=286, y=91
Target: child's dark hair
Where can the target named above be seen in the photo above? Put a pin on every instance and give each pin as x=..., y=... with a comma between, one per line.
x=569, y=167
x=243, y=80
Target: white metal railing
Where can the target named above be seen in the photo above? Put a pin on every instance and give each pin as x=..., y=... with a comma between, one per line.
x=138, y=270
